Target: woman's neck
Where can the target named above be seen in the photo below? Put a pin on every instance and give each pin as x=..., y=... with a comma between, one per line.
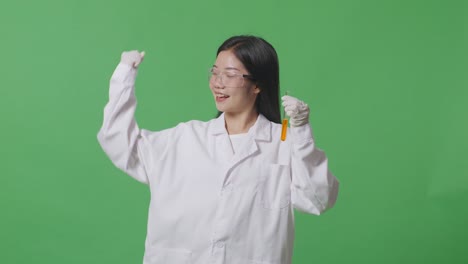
x=239, y=123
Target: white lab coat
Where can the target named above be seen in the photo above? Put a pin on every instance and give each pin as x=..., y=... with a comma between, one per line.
x=209, y=205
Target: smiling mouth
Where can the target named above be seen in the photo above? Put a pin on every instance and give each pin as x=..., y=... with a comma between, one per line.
x=219, y=95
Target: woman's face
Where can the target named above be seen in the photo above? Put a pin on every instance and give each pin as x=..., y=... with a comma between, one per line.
x=233, y=93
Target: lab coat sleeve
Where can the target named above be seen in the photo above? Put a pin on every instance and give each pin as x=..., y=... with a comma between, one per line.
x=120, y=137
x=314, y=189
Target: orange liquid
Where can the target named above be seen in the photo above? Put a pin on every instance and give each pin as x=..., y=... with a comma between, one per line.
x=284, y=129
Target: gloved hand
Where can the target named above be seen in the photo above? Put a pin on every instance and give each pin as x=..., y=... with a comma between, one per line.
x=132, y=58
x=297, y=111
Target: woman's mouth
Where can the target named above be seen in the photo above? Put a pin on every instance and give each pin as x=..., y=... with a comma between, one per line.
x=221, y=97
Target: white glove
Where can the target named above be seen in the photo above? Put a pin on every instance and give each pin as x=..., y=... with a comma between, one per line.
x=297, y=111
x=132, y=58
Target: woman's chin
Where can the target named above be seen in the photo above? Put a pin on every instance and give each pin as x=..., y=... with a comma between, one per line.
x=220, y=107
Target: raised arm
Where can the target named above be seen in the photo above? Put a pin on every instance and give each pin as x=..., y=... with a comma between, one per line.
x=120, y=137
x=314, y=188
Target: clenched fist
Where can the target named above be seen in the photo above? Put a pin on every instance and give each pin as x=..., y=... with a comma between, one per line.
x=132, y=58
x=297, y=110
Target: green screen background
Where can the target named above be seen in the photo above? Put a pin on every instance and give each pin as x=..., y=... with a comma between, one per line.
x=386, y=82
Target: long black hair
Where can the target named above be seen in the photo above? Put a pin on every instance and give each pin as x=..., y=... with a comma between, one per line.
x=261, y=61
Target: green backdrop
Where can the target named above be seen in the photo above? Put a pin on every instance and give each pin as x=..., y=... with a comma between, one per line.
x=386, y=82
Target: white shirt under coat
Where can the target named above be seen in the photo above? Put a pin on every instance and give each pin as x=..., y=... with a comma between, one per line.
x=209, y=204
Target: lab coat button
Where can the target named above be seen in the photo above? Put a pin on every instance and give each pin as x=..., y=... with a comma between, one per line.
x=219, y=244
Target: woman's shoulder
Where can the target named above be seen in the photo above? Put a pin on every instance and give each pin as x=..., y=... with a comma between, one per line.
x=190, y=128
x=195, y=124
x=195, y=127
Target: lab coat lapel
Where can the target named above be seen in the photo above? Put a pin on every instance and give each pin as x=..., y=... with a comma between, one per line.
x=221, y=148
x=260, y=131
x=249, y=148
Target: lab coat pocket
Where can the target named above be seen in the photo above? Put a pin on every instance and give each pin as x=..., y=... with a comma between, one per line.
x=275, y=191
x=169, y=255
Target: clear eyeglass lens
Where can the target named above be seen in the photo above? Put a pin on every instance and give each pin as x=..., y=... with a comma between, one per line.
x=228, y=79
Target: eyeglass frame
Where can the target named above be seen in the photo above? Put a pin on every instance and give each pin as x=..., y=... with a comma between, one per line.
x=220, y=75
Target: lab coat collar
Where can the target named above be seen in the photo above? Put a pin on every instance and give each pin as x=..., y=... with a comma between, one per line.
x=261, y=130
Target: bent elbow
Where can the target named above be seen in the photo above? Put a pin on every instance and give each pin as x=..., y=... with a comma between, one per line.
x=313, y=202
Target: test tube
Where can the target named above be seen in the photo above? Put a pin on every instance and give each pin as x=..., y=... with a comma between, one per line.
x=284, y=128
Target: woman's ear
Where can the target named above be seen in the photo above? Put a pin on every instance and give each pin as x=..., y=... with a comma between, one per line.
x=257, y=89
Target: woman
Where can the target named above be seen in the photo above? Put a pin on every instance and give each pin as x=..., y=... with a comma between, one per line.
x=222, y=191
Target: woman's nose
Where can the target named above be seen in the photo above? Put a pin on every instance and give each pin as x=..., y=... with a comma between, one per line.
x=218, y=82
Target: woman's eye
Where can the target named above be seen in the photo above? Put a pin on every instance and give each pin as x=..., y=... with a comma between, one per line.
x=230, y=74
